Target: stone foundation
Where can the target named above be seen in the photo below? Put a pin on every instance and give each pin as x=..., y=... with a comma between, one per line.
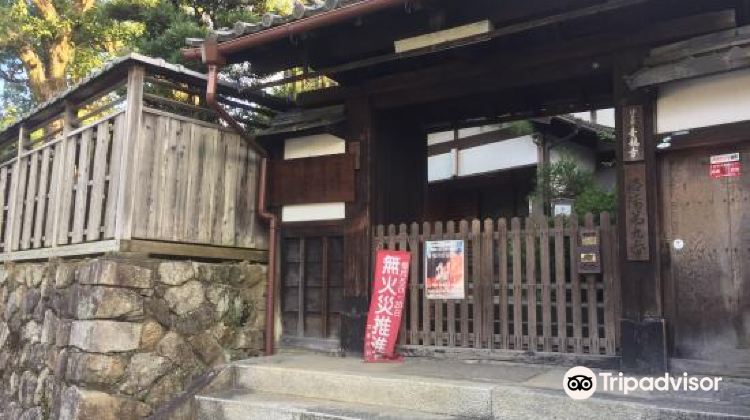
x=116, y=338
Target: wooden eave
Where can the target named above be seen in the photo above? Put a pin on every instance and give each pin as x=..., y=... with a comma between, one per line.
x=302, y=120
x=715, y=53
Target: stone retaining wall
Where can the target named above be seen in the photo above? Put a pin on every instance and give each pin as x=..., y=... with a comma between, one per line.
x=116, y=338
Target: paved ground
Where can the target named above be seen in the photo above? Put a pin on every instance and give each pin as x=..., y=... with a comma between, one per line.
x=733, y=395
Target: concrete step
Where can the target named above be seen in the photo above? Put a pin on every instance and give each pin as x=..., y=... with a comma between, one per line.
x=370, y=387
x=317, y=387
x=248, y=405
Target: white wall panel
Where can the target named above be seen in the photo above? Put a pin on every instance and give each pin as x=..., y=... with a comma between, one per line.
x=506, y=154
x=316, y=145
x=312, y=212
x=439, y=167
x=703, y=102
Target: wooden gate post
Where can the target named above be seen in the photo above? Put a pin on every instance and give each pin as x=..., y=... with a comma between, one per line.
x=644, y=345
x=357, y=230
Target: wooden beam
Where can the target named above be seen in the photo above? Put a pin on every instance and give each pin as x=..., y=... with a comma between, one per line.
x=440, y=37
x=609, y=6
x=192, y=250
x=733, y=59
x=494, y=80
x=700, y=45
x=88, y=248
x=711, y=136
x=547, y=55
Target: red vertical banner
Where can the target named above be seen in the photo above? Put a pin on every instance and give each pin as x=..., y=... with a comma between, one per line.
x=386, y=305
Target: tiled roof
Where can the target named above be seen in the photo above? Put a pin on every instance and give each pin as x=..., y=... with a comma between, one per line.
x=300, y=10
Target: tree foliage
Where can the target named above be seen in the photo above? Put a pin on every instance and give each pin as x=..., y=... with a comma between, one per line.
x=47, y=45
x=564, y=179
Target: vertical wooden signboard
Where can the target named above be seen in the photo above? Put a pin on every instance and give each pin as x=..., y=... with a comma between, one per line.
x=636, y=198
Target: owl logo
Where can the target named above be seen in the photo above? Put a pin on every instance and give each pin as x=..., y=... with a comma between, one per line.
x=579, y=383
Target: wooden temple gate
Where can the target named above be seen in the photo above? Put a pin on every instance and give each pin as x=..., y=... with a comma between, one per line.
x=523, y=289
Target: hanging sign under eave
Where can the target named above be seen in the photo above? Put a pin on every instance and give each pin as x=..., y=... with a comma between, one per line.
x=725, y=166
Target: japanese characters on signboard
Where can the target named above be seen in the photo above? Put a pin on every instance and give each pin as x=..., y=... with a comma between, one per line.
x=633, y=133
x=386, y=305
x=444, y=269
x=725, y=166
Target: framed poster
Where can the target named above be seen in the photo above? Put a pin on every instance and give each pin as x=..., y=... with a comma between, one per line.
x=444, y=269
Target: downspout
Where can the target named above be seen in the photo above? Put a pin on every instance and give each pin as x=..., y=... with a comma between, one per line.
x=211, y=100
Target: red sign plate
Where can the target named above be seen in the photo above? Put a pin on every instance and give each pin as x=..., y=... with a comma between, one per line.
x=724, y=170
x=386, y=306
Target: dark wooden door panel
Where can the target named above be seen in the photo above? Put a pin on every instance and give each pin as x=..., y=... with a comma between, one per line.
x=707, y=280
x=739, y=202
x=312, y=287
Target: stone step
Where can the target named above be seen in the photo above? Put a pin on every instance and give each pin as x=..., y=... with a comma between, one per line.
x=248, y=405
x=317, y=387
x=371, y=387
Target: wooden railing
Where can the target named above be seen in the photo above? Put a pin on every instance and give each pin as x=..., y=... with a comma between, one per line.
x=523, y=289
x=111, y=174
x=61, y=193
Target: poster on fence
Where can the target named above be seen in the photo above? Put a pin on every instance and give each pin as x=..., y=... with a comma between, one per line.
x=444, y=269
x=386, y=305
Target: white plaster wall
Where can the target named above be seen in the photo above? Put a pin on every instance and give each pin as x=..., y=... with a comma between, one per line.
x=505, y=154
x=310, y=146
x=315, y=145
x=703, y=102
x=439, y=167
x=311, y=212
x=446, y=136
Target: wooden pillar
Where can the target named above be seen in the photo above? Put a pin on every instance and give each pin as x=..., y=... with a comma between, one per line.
x=643, y=328
x=15, y=200
x=357, y=228
x=128, y=160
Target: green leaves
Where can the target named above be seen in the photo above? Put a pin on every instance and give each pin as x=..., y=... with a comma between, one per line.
x=564, y=179
x=40, y=37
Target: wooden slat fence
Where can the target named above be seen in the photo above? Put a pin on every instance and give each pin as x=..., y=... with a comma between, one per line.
x=523, y=291
x=86, y=194
x=65, y=185
x=196, y=183
x=105, y=172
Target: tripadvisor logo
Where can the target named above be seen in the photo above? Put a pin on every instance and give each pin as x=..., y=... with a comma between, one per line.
x=580, y=383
